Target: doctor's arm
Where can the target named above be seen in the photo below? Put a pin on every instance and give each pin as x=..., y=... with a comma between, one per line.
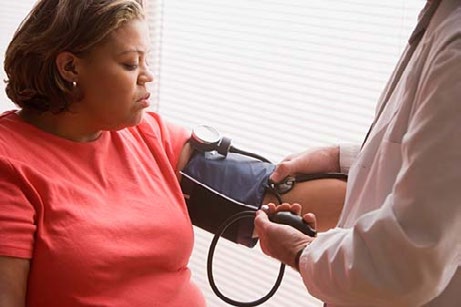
x=322, y=197
x=405, y=252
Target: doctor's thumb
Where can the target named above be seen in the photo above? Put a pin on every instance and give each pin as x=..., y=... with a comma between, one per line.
x=281, y=171
x=261, y=221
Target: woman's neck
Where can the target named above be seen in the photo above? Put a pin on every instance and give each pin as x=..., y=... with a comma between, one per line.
x=63, y=125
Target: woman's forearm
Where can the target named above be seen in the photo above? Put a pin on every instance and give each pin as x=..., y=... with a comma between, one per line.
x=323, y=197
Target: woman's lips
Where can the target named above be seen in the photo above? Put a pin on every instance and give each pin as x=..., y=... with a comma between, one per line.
x=144, y=100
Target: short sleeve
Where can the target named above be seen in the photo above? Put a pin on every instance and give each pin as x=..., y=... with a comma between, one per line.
x=17, y=214
x=171, y=136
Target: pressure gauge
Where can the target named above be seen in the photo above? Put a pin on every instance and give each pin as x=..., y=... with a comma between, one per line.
x=206, y=138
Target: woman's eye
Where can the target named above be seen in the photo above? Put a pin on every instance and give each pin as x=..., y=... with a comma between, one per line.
x=130, y=66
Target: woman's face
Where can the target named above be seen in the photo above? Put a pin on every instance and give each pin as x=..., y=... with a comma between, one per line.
x=113, y=79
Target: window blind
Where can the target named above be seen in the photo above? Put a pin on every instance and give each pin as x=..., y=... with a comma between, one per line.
x=277, y=77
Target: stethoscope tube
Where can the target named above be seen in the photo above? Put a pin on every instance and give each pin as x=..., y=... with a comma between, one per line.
x=234, y=218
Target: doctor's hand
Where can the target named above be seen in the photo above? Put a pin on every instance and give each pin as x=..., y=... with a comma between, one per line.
x=318, y=160
x=282, y=242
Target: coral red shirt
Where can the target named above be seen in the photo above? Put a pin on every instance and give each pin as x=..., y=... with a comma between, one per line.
x=104, y=223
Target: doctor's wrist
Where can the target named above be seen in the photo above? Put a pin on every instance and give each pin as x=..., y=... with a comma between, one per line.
x=298, y=256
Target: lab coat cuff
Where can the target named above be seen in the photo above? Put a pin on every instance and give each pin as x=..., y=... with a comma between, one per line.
x=347, y=154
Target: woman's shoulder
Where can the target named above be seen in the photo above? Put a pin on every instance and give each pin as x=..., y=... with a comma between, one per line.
x=8, y=117
x=11, y=140
x=154, y=125
x=163, y=134
x=9, y=126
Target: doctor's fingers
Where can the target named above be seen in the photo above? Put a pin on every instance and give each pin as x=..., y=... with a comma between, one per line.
x=269, y=231
x=279, y=241
x=303, y=162
x=294, y=208
x=262, y=225
x=267, y=234
x=291, y=156
x=287, y=168
x=261, y=221
x=310, y=219
x=271, y=208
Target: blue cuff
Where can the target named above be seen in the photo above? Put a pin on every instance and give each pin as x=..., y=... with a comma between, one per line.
x=243, y=179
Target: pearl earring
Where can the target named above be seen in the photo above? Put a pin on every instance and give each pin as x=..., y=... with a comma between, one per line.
x=74, y=84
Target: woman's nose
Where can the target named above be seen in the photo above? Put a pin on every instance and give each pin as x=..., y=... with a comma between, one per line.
x=146, y=76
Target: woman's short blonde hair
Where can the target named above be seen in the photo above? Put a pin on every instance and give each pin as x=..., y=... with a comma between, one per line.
x=54, y=26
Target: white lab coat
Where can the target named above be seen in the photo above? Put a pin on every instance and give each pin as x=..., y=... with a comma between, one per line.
x=398, y=239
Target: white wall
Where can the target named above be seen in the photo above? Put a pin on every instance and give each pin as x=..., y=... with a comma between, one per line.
x=11, y=15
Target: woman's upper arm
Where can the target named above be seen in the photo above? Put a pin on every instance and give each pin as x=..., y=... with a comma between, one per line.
x=184, y=157
x=13, y=281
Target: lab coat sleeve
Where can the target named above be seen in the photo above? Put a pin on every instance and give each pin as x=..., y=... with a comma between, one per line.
x=405, y=252
x=347, y=154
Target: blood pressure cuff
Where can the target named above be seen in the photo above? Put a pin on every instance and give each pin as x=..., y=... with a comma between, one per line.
x=217, y=187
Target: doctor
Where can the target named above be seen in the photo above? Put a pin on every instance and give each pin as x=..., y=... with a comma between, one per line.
x=398, y=239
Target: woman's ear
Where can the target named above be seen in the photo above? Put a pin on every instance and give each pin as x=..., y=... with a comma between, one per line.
x=66, y=63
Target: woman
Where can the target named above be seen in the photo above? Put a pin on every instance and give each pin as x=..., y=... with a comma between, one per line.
x=92, y=212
